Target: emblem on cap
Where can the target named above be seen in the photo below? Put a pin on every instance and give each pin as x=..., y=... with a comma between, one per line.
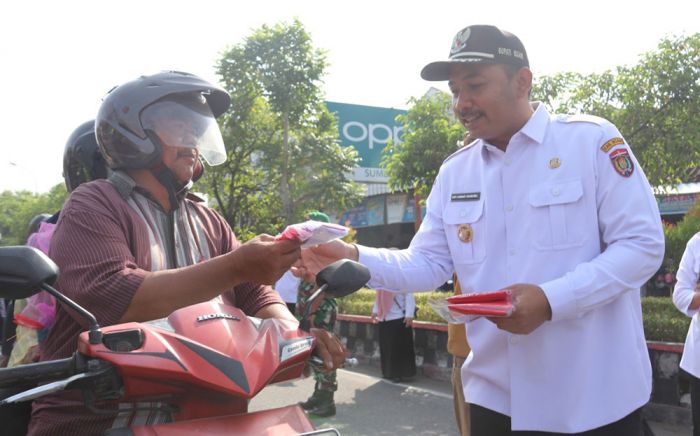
x=465, y=233
x=622, y=162
x=460, y=40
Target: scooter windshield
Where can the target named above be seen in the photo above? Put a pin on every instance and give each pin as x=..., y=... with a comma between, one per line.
x=186, y=122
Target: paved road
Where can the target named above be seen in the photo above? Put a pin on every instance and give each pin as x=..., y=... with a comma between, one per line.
x=369, y=405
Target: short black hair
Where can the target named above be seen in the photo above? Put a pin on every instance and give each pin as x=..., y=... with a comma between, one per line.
x=511, y=71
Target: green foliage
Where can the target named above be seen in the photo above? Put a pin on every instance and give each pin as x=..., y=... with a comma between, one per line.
x=655, y=104
x=431, y=133
x=283, y=155
x=678, y=235
x=287, y=68
x=425, y=312
x=362, y=302
x=18, y=208
x=359, y=303
x=662, y=321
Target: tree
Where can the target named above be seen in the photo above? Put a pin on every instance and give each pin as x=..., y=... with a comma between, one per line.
x=283, y=154
x=18, y=208
x=678, y=235
x=431, y=133
x=655, y=104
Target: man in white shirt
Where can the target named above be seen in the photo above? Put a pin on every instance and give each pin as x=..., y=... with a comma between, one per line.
x=554, y=208
x=686, y=297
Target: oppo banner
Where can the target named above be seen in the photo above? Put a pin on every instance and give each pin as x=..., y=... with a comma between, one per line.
x=368, y=129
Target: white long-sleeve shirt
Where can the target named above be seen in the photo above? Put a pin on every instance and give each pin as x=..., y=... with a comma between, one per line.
x=687, y=279
x=288, y=287
x=560, y=209
x=403, y=305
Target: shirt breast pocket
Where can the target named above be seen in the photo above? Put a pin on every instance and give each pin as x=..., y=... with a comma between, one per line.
x=557, y=215
x=465, y=230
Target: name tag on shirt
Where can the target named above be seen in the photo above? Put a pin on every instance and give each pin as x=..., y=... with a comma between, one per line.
x=466, y=196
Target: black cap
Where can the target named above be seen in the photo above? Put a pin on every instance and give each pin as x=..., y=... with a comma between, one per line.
x=479, y=44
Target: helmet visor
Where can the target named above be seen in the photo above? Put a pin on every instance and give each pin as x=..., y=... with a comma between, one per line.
x=186, y=122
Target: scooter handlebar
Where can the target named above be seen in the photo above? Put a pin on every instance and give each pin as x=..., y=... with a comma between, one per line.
x=35, y=373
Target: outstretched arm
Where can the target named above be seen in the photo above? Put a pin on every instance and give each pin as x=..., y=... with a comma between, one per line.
x=260, y=260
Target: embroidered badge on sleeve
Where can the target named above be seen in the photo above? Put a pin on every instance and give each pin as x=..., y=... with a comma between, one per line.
x=610, y=144
x=622, y=162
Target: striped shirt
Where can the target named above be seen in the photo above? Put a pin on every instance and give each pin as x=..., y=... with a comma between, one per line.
x=109, y=237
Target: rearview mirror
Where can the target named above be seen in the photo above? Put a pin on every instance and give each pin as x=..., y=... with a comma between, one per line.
x=343, y=277
x=23, y=270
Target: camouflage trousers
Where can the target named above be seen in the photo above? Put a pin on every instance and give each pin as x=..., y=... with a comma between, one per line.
x=322, y=315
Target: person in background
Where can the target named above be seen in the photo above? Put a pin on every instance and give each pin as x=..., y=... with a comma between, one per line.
x=555, y=209
x=34, y=316
x=29, y=321
x=11, y=335
x=288, y=287
x=395, y=313
x=321, y=314
x=22, y=349
x=82, y=162
x=686, y=297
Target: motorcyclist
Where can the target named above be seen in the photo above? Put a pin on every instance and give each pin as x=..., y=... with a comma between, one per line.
x=137, y=246
x=32, y=317
x=82, y=160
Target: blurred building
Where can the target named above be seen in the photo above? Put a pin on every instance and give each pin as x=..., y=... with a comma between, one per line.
x=382, y=219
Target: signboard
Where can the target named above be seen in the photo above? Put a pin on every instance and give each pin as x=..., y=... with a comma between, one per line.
x=370, y=212
x=355, y=217
x=375, y=210
x=396, y=208
x=676, y=203
x=368, y=129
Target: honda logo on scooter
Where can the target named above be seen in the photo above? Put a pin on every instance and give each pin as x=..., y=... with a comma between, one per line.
x=211, y=316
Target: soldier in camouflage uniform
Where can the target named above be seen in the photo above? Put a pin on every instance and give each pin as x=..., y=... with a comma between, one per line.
x=322, y=314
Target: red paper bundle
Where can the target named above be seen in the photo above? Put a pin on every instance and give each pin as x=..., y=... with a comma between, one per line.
x=496, y=303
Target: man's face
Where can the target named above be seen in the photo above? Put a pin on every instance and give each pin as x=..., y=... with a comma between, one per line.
x=179, y=139
x=484, y=100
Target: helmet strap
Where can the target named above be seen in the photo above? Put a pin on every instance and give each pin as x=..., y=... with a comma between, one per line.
x=167, y=178
x=198, y=170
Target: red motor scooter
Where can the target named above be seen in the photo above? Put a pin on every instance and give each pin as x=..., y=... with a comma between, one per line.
x=204, y=362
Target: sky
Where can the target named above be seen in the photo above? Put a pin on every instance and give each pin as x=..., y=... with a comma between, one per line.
x=59, y=58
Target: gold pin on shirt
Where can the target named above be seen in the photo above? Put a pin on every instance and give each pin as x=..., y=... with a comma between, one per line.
x=554, y=163
x=465, y=233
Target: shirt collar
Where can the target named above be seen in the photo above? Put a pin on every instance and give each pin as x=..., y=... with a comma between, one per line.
x=123, y=183
x=536, y=126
